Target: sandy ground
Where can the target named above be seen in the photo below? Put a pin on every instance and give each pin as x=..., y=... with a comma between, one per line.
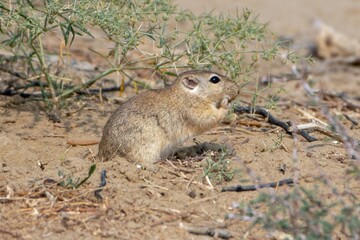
x=140, y=204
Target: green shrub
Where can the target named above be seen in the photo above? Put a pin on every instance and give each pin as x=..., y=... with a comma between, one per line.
x=305, y=213
x=183, y=40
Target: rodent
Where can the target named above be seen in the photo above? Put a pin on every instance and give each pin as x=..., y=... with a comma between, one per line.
x=151, y=125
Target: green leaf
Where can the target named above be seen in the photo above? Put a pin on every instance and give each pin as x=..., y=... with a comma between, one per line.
x=83, y=29
x=91, y=171
x=64, y=33
x=12, y=40
x=30, y=3
x=70, y=29
x=170, y=74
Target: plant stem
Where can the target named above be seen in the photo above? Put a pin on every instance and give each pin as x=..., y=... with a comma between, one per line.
x=45, y=70
x=86, y=84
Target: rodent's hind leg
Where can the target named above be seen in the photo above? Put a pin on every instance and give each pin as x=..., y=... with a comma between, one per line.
x=145, y=154
x=145, y=160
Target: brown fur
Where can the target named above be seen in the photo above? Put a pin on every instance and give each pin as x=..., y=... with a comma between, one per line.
x=151, y=125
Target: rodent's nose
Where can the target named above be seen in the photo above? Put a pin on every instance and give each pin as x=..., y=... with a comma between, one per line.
x=233, y=89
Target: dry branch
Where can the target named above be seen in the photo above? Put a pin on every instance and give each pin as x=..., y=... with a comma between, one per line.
x=352, y=120
x=241, y=188
x=82, y=142
x=208, y=231
x=268, y=79
x=313, y=126
x=271, y=119
x=349, y=103
x=11, y=72
x=319, y=126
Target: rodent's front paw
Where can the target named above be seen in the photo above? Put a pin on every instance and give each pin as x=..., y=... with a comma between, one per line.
x=225, y=103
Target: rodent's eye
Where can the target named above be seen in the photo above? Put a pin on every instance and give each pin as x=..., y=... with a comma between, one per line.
x=215, y=79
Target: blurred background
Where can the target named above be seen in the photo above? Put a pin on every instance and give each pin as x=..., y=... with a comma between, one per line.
x=289, y=17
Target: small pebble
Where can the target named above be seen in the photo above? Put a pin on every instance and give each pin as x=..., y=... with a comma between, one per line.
x=192, y=194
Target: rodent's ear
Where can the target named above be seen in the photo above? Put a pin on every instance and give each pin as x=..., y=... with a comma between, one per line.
x=190, y=82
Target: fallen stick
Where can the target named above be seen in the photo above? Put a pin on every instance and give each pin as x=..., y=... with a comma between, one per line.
x=11, y=72
x=265, y=80
x=349, y=103
x=321, y=127
x=82, y=142
x=240, y=188
x=213, y=232
x=272, y=120
x=314, y=126
x=352, y=120
x=14, y=235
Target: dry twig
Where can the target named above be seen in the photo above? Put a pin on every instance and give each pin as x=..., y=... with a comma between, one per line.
x=208, y=231
x=349, y=103
x=82, y=142
x=241, y=188
x=271, y=119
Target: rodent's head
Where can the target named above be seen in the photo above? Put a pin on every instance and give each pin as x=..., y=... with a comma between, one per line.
x=209, y=86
